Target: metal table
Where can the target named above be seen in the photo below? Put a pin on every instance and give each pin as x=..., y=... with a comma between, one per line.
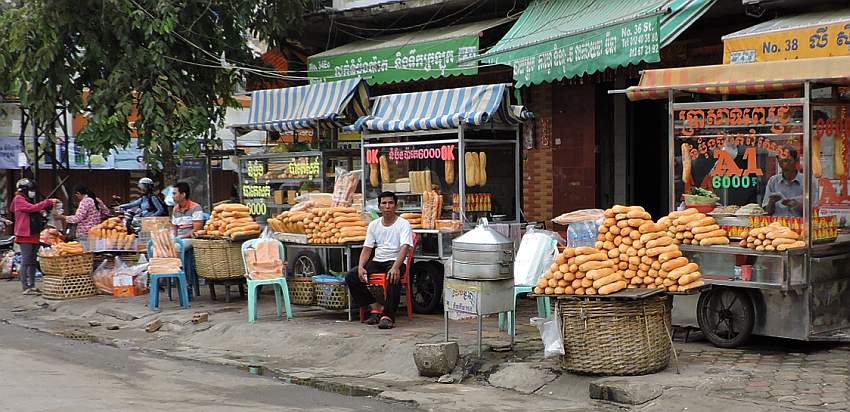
x=479, y=298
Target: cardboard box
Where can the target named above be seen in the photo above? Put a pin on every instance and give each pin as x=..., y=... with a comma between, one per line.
x=122, y=286
x=278, y=197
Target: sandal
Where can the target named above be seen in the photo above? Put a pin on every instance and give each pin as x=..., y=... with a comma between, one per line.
x=386, y=323
x=373, y=318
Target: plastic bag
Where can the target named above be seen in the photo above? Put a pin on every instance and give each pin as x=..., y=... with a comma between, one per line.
x=582, y=233
x=579, y=216
x=263, y=258
x=7, y=265
x=536, y=252
x=550, y=334
x=103, y=278
x=344, y=187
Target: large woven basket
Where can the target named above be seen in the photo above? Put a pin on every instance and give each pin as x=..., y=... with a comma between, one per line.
x=68, y=265
x=615, y=337
x=332, y=295
x=68, y=287
x=218, y=259
x=302, y=291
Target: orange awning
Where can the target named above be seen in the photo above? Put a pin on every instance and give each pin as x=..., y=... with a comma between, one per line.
x=749, y=78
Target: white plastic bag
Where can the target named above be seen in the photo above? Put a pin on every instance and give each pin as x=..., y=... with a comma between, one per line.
x=536, y=252
x=550, y=333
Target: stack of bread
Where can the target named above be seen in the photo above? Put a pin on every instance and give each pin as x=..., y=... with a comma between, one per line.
x=63, y=249
x=165, y=258
x=415, y=219
x=772, y=238
x=631, y=252
x=694, y=228
x=335, y=225
x=432, y=208
x=289, y=222
x=230, y=220
x=114, y=233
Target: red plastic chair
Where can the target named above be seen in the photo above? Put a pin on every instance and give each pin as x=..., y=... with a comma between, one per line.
x=383, y=280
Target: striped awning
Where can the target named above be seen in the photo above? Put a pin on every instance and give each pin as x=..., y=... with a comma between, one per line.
x=443, y=109
x=749, y=78
x=331, y=104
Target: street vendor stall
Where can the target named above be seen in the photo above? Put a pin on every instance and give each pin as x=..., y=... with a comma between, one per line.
x=762, y=148
x=452, y=157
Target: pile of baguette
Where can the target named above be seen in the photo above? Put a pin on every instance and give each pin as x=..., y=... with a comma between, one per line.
x=476, y=168
x=230, y=220
x=631, y=252
x=772, y=238
x=289, y=222
x=334, y=225
x=115, y=234
x=63, y=249
x=694, y=228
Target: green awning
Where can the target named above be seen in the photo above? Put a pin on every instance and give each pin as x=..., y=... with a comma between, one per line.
x=556, y=39
x=418, y=55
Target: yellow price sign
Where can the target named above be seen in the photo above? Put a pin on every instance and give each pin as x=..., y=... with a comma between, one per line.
x=256, y=169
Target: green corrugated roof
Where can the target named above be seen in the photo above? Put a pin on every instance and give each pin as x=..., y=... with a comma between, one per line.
x=554, y=39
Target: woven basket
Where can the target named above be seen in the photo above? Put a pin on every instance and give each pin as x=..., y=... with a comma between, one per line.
x=68, y=287
x=69, y=265
x=615, y=337
x=218, y=259
x=302, y=291
x=332, y=295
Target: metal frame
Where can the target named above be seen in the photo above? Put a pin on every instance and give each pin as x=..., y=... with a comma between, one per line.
x=461, y=143
x=786, y=300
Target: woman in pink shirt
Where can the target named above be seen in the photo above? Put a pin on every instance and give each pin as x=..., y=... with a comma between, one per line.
x=90, y=211
x=28, y=225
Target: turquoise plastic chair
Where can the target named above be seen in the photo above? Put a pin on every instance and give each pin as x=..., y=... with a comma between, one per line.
x=544, y=309
x=182, y=285
x=280, y=286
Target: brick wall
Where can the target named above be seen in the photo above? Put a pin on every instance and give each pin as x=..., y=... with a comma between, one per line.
x=537, y=201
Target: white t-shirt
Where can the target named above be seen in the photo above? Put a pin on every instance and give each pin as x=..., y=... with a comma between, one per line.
x=387, y=241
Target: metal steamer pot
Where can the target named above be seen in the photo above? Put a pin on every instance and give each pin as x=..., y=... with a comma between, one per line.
x=482, y=254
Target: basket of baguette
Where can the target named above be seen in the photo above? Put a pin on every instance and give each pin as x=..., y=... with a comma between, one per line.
x=231, y=221
x=65, y=259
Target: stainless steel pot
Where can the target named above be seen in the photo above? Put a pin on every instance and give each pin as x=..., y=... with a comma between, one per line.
x=482, y=254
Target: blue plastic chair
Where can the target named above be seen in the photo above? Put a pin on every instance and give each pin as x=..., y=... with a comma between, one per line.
x=281, y=289
x=182, y=285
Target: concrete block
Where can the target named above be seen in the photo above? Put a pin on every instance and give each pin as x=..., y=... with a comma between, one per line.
x=200, y=317
x=435, y=359
x=521, y=377
x=624, y=391
x=153, y=326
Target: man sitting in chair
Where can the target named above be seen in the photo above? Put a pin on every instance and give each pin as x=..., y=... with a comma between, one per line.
x=390, y=237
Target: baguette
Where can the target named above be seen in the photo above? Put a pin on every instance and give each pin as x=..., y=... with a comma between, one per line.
x=719, y=240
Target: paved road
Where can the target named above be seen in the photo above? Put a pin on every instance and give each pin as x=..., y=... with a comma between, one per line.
x=40, y=372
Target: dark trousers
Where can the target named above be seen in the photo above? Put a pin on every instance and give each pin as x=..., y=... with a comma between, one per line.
x=363, y=297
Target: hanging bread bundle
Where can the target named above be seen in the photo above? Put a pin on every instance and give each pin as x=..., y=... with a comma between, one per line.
x=475, y=164
x=230, y=220
x=694, y=228
x=640, y=247
x=335, y=225
x=772, y=238
x=114, y=233
x=432, y=207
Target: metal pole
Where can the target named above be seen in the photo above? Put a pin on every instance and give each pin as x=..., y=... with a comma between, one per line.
x=671, y=151
x=480, y=331
x=807, y=191
x=517, y=179
x=446, y=320
x=461, y=154
x=363, y=163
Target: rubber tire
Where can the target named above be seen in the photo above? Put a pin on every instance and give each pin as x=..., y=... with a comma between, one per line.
x=427, y=274
x=312, y=258
x=748, y=315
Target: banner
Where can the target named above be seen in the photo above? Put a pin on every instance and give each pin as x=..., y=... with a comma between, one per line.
x=10, y=147
x=824, y=40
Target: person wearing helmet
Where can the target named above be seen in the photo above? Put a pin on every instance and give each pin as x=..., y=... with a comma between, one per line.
x=149, y=204
x=28, y=226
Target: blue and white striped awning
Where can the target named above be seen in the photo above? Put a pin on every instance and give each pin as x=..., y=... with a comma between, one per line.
x=332, y=104
x=443, y=109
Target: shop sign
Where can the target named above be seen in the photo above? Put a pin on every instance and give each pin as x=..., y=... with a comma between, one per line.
x=774, y=116
x=460, y=298
x=823, y=40
x=392, y=64
x=296, y=169
x=255, y=195
x=617, y=45
x=10, y=147
x=444, y=153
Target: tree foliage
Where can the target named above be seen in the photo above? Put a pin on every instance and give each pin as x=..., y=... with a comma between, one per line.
x=108, y=58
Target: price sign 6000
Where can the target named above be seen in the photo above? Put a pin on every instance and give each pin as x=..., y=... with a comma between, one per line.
x=257, y=209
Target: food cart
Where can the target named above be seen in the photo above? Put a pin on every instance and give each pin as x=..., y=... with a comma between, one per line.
x=454, y=150
x=311, y=117
x=733, y=130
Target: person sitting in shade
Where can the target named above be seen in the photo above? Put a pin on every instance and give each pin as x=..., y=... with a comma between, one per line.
x=390, y=237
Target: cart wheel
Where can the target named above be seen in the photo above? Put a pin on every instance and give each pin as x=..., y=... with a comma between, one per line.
x=307, y=264
x=726, y=316
x=426, y=282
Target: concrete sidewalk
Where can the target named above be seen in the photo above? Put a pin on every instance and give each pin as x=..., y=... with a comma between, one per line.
x=322, y=349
